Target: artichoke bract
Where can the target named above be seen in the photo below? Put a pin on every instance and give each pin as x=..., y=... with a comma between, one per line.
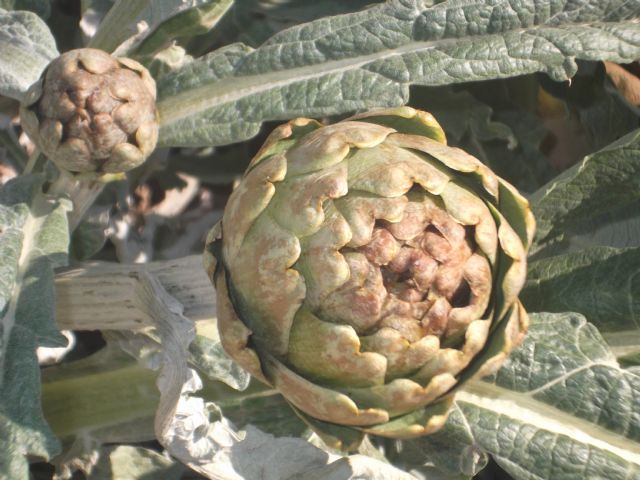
x=91, y=112
x=366, y=270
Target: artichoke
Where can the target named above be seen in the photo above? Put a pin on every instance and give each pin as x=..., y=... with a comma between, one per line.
x=91, y=112
x=366, y=270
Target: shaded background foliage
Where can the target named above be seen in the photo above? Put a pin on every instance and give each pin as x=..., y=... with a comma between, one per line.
x=528, y=128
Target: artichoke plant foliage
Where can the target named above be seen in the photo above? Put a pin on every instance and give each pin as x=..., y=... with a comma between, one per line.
x=365, y=269
x=366, y=273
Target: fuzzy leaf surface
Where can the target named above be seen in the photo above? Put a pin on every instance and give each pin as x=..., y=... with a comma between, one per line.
x=370, y=58
x=561, y=407
x=33, y=240
x=254, y=21
x=604, y=181
x=26, y=48
x=602, y=283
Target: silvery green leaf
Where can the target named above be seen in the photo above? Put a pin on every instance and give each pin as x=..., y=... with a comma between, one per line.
x=560, y=407
x=597, y=282
x=26, y=48
x=149, y=26
x=259, y=406
x=206, y=354
x=226, y=453
x=254, y=21
x=369, y=59
x=452, y=451
x=33, y=240
x=589, y=190
x=619, y=227
x=40, y=7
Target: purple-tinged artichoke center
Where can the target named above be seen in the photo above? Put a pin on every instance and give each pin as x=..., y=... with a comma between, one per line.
x=414, y=276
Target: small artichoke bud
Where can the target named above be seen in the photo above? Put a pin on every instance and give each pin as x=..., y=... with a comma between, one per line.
x=91, y=112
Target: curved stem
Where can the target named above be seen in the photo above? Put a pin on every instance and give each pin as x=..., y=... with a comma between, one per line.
x=81, y=191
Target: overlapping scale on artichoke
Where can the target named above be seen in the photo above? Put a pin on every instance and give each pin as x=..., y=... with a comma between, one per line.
x=92, y=112
x=365, y=269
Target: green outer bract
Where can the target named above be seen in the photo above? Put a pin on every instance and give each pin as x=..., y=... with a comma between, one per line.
x=299, y=305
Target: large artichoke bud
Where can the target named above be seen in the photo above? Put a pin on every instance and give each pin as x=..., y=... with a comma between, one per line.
x=366, y=270
x=91, y=112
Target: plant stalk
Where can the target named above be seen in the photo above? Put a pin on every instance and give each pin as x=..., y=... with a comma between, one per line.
x=106, y=296
x=109, y=391
x=81, y=191
x=85, y=396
